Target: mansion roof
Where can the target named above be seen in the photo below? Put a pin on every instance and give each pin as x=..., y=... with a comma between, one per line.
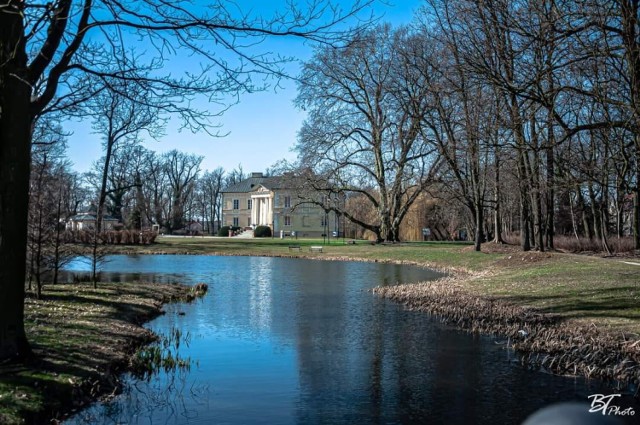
x=250, y=184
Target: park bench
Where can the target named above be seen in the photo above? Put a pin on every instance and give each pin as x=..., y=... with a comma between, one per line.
x=294, y=247
x=315, y=249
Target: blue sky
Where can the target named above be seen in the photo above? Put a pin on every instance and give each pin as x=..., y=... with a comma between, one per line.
x=261, y=128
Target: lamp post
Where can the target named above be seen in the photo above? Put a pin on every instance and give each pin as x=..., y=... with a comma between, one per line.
x=325, y=230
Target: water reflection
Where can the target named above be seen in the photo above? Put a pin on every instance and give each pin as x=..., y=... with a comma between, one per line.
x=282, y=341
x=260, y=278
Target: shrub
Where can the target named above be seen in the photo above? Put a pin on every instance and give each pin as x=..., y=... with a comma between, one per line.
x=111, y=237
x=262, y=232
x=224, y=230
x=583, y=244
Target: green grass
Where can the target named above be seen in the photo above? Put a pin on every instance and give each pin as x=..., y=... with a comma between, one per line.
x=446, y=254
x=597, y=290
x=76, y=334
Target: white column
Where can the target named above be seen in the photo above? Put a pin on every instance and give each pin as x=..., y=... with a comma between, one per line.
x=253, y=211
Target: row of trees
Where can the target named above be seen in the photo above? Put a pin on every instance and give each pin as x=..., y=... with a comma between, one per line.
x=136, y=186
x=525, y=113
x=130, y=184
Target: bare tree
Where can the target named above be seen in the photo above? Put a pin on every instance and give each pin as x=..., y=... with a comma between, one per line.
x=461, y=120
x=613, y=43
x=363, y=135
x=49, y=176
x=123, y=110
x=235, y=176
x=46, y=51
x=210, y=186
x=182, y=171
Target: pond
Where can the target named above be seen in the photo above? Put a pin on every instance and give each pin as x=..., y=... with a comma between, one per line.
x=292, y=341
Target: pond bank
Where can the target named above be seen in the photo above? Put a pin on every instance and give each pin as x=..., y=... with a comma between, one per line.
x=586, y=308
x=547, y=341
x=83, y=340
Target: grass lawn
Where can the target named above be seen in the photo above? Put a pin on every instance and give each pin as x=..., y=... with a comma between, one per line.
x=82, y=339
x=605, y=291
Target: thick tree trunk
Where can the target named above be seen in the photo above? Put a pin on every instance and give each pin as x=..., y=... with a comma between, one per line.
x=385, y=227
x=15, y=141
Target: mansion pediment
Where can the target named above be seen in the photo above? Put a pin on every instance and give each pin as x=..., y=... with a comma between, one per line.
x=260, y=190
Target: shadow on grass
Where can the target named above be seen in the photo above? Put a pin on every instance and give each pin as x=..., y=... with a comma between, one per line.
x=81, y=338
x=618, y=302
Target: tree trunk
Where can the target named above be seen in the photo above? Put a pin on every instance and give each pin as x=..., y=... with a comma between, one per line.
x=38, y=253
x=636, y=206
x=94, y=260
x=56, y=252
x=574, y=225
x=594, y=210
x=102, y=199
x=525, y=217
x=385, y=227
x=138, y=220
x=537, y=218
x=15, y=147
x=551, y=195
x=479, y=227
x=587, y=230
x=497, y=219
x=525, y=239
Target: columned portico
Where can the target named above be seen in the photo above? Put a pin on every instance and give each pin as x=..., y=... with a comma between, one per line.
x=262, y=208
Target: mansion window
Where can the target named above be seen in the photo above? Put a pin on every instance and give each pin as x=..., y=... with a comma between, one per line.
x=287, y=220
x=236, y=222
x=249, y=204
x=236, y=204
x=287, y=201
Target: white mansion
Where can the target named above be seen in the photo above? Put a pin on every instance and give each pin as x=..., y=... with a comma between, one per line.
x=266, y=201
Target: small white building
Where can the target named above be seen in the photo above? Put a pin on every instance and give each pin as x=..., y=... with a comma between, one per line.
x=87, y=221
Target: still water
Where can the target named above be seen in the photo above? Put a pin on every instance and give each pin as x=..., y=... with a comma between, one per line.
x=289, y=341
